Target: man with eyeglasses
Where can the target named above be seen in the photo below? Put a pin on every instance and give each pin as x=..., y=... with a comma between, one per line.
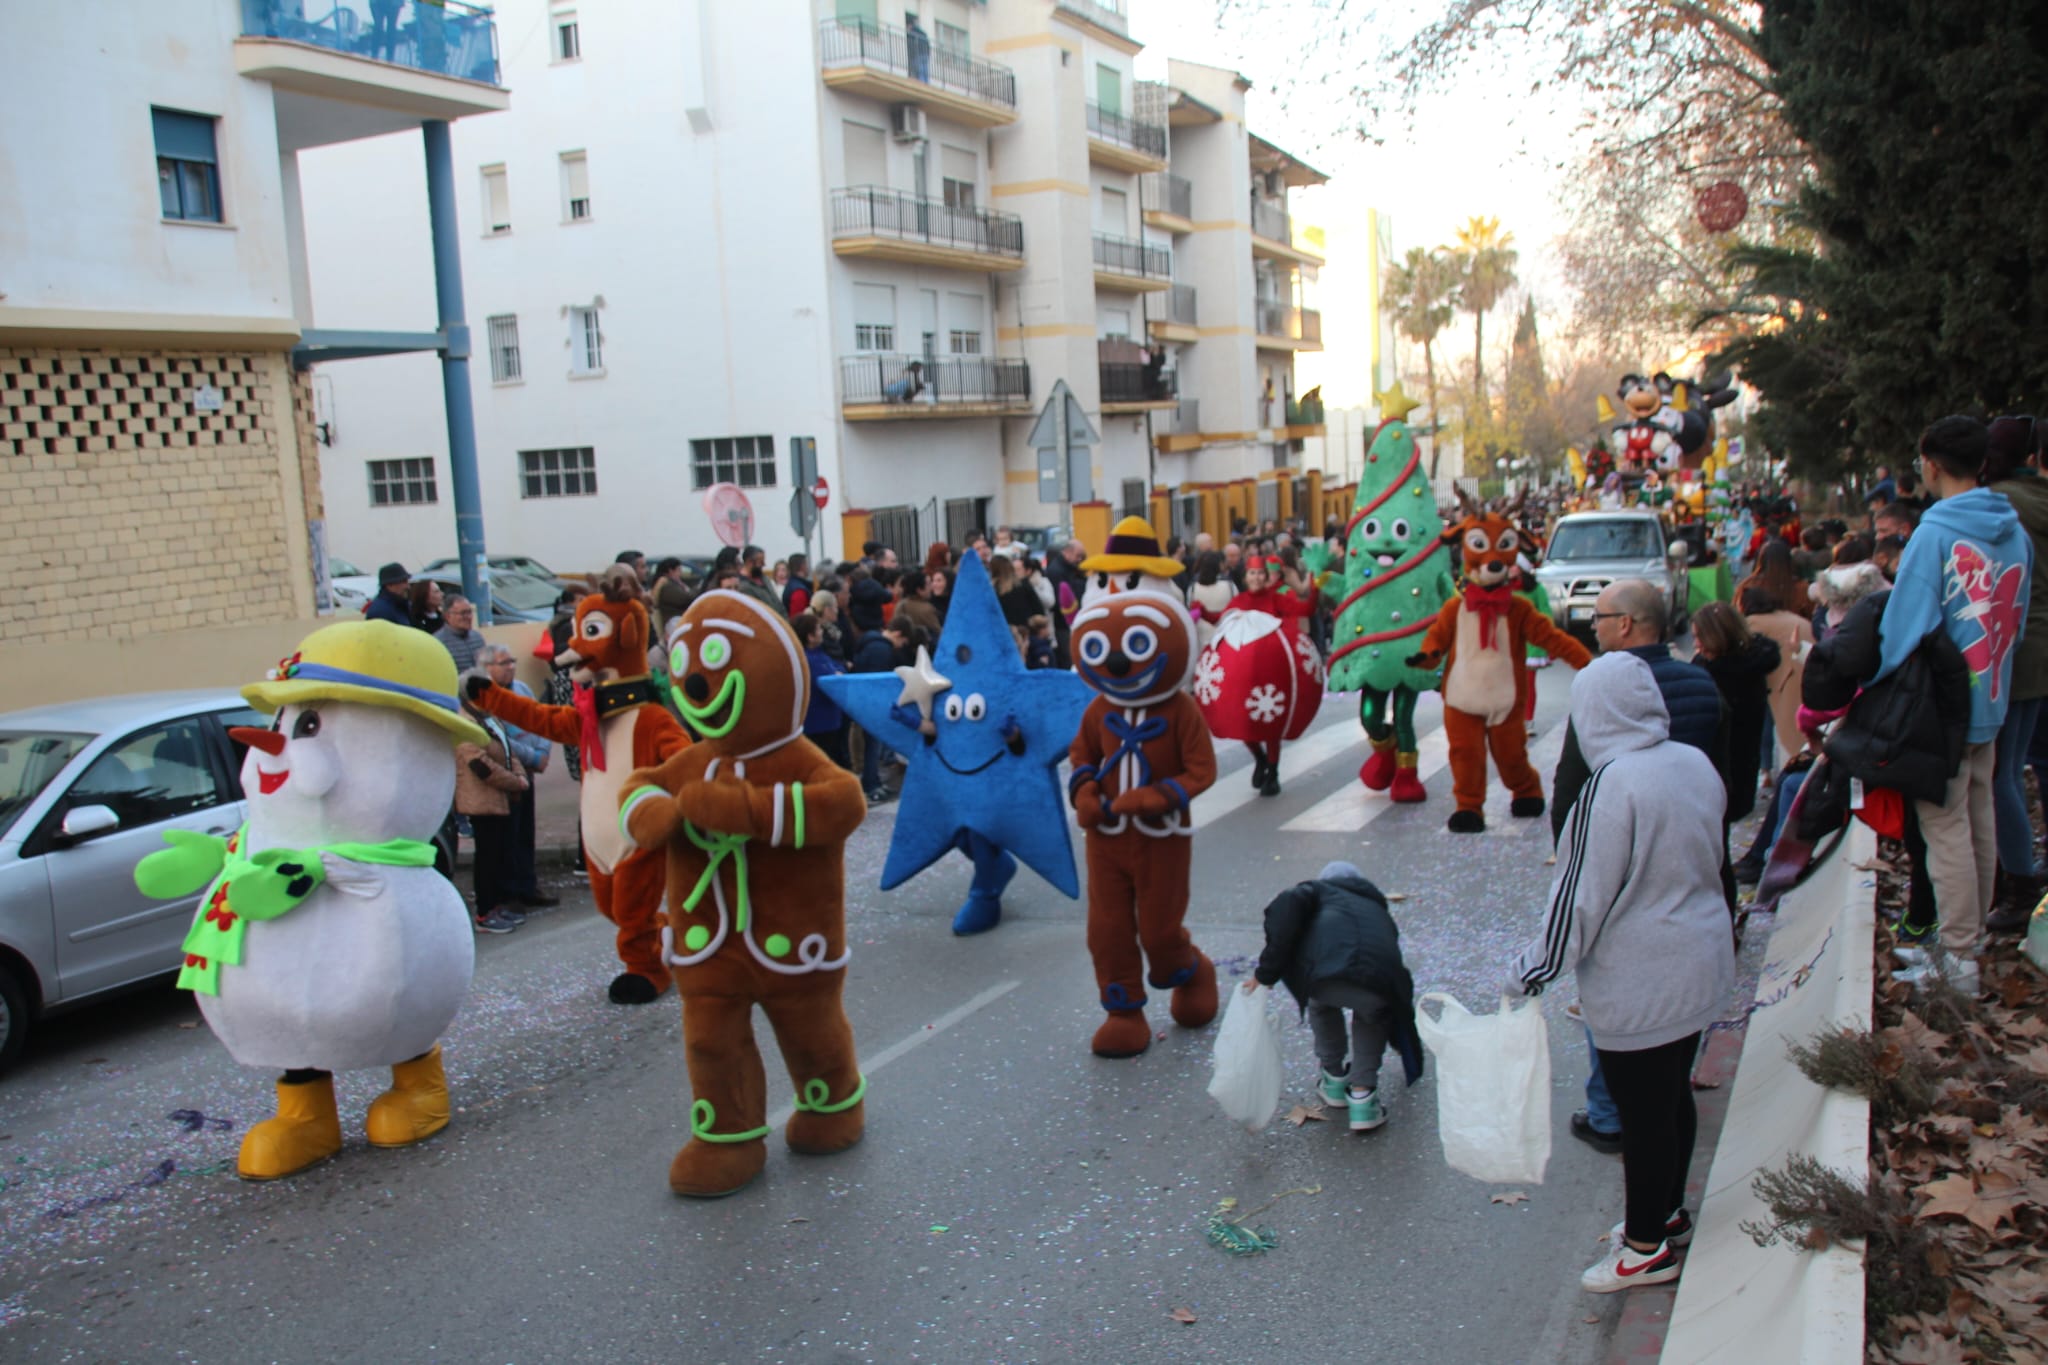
x=1967, y=571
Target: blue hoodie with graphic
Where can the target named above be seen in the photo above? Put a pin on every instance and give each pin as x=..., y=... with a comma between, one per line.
x=1967, y=569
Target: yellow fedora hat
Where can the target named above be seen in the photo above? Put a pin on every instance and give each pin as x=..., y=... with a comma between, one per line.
x=375, y=663
x=1132, y=545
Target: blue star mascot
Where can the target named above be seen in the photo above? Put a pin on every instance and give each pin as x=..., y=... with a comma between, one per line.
x=985, y=737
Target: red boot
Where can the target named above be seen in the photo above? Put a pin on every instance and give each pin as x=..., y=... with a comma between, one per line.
x=1379, y=769
x=1407, y=783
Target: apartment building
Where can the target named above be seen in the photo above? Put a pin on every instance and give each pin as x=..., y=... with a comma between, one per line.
x=160, y=508
x=711, y=235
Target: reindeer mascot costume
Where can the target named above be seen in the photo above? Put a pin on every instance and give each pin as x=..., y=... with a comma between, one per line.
x=1481, y=637
x=754, y=820
x=618, y=726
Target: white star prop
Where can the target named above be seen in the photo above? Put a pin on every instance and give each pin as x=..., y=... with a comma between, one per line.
x=921, y=682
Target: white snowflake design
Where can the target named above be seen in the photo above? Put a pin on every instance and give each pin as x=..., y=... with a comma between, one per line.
x=1265, y=703
x=1208, y=678
x=1311, y=662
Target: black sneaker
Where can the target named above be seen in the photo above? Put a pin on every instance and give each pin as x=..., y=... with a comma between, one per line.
x=881, y=796
x=510, y=916
x=1749, y=872
x=1599, y=1139
x=491, y=924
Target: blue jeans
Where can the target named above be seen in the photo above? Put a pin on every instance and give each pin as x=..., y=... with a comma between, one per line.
x=2009, y=789
x=1600, y=1110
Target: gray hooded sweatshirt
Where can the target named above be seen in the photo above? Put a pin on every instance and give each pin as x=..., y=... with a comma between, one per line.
x=1636, y=910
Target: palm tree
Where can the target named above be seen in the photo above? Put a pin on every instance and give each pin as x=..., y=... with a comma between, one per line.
x=1421, y=295
x=1486, y=267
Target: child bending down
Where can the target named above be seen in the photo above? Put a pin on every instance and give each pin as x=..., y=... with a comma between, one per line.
x=1335, y=944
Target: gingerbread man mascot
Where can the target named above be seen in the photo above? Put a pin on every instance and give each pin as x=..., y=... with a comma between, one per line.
x=754, y=820
x=1141, y=758
x=618, y=726
x=1481, y=637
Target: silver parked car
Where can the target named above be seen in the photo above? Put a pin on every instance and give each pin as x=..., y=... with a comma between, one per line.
x=87, y=789
x=1589, y=550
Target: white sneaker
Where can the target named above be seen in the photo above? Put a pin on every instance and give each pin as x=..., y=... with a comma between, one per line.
x=1913, y=957
x=1626, y=1268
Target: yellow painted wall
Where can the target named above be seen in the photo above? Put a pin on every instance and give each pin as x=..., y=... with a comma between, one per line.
x=1092, y=521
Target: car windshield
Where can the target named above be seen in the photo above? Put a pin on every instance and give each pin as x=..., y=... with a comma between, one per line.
x=1610, y=538
x=341, y=568
x=521, y=593
x=28, y=762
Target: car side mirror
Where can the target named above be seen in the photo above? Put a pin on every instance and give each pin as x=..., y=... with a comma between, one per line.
x=83, y=822
x=1679, y=551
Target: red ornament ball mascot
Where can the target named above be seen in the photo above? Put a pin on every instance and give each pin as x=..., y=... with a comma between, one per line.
x=1143, y=755
x=1482, y=637
x=1260, y=681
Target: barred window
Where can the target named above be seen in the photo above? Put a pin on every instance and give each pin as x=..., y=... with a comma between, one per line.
x=748, y=461
x=568, y=473
x=504, y=330
x=394, y=483
x=586, y=342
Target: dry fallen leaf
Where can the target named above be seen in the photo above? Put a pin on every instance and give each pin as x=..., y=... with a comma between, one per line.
x=1511, y=1198
x=1301, y=1114
x=190, y=1023
x=1816, y=1239
x=1181, y=1315
x=1396, y=897
x=1986, y=1199
x=1590, y=1317
x=1551, y=861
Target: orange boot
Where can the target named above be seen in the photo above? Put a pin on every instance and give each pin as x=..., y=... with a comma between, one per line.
x=1126, y=1032
x=415, y=1107
x=306, y=1131
x=1194, y=1000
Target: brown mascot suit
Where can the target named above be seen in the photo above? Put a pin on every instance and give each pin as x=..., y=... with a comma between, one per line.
x=1143, y=755
x=1482, y=636
x=620, y=727
x=754, y=818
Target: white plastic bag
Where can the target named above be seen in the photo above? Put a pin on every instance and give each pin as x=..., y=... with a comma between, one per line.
x=1492, y=1088
x=1247, y=1079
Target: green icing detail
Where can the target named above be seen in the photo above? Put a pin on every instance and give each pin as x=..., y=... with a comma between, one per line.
x=702, y=1116
x=696, y=937
x=817, y=1094
x=777, y=945
x=734, y=688
x=796, y=801
x=718, y=848
x=626, y=807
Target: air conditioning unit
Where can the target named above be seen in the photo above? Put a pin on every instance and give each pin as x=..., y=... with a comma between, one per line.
x=906, y=122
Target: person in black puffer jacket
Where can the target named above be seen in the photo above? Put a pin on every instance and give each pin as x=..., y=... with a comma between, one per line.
x=1740, y=663
x=1906, y=732
x=1334, y=944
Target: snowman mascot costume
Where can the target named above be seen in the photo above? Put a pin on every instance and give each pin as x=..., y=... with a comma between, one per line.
x=326, y=941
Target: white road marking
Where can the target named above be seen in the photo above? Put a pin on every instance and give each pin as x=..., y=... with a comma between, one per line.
x=916, y=1040
x=1351, y=807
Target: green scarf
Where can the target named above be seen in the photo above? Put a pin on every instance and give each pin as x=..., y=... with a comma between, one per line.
x=261, y=887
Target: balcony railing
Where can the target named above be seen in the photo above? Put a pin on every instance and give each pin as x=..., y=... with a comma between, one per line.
x=1165, y=192
x=1122, y=256
x=449, y=39
x=880, y=377
x=1305, y=412
x=1294, y=324
x=1180, y=305
x=1270, y=222
x=1108, y=13
x=1128, y=383
x=868, y=210
x=855, y=42
x=1147, y=138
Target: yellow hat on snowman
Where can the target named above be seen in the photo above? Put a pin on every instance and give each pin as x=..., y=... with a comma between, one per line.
x=374, y=663
x=1133, y=545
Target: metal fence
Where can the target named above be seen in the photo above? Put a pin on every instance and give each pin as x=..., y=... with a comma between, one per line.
x=1270, y=221
x=1293, y=324
x=1180, y=304
x=1127, y=383
x=1165, y=192
x=869, y=210
x=1123, y=256
x=1124, y=131
x=885, y=377
x=447, y=37
x=855, y=42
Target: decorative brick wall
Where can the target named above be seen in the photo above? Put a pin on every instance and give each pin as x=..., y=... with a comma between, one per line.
x=124, y=512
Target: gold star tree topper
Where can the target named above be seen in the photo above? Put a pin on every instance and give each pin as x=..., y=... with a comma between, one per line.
x=1394, y=403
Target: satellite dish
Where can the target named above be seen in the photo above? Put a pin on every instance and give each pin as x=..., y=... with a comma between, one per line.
x=732, y=516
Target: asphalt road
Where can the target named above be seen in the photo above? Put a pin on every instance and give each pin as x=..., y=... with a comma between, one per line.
x=1016, y=1199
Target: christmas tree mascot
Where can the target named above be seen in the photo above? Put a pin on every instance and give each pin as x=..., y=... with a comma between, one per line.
x=1396, y=578
x=327, y=941
x=754, y=819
